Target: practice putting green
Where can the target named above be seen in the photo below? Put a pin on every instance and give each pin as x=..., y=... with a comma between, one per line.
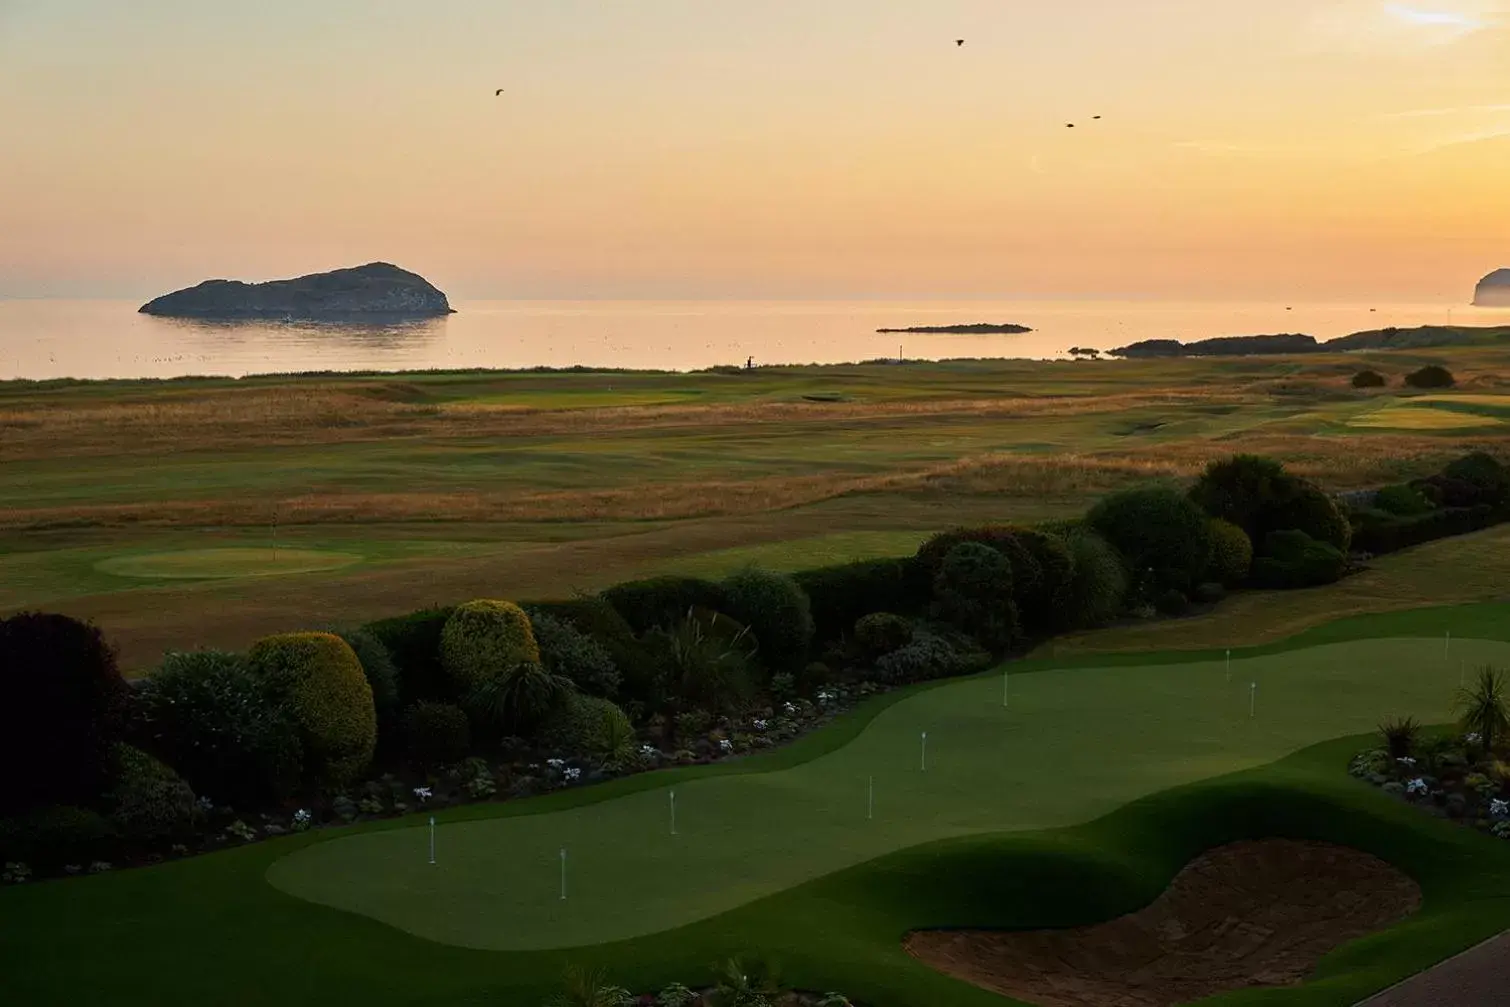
x=1071, y=745
x=207, y=564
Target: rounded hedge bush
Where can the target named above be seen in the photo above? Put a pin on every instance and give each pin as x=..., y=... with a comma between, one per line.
x=777, y=612
x=641, y=679
x=1314, y=512
x=436, y=734
x=1368, y=379
x=322, y=686
x=1231, y=553
x=225, y=730
x=1242, y=489
x=483, y=639
x=1209, y=593
x=57, y=836
x=1161, y=534
x=1171, y=602
x=1098, y=589
x=379, y=669
x=62, y=705
x=973, y=591
x=570, y=653
x=1485, y=472
x=591, y=727
x=1293, y=559
x=1430, y=376
x=1044, y=607
x=881, y=633
x=1402, y=500
x=663, y=601
x=150, y=801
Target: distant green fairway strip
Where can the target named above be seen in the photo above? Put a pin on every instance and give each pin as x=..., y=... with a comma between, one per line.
x=203, y=564
x=1073, y=744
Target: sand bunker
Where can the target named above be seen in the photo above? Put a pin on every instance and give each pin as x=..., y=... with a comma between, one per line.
x=1248, y=914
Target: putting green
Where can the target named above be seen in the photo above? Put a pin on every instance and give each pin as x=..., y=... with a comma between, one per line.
x=1071, y=745
x=205, y=564
x=1422, y=418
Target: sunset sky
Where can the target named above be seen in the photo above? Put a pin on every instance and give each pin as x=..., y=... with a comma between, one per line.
x=1289, y=149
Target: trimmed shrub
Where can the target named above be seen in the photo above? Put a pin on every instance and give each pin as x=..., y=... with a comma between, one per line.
x=1209, y=593
x=641, y=679
x=62, y=705
x=378, y=668
x=1312, y=511
x=436, y=734
x=413, y=643
x=973, y=591
x=1044, y=607
x=929, y=656
x=1430, y=376
x=1401, y=500
x=881, y=633
x=590, y=727
x=51, y=837
x=1485, y=473
x=1368, y=379
x=663, y=601
x=1160, y=533
x=518, y=700
x=1231, y=552
x=320, y=681
x=149, y=800
x=1171, y=602
x=572, y=654
x=777, y=612
x=1377, y=532
x=482, y=640
x=1098, y=589
x=1293, y=559
x=1241, y=489
x=225, y=730
x=840, y=595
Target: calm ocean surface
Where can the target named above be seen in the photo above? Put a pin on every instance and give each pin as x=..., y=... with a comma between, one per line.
x=105, y=339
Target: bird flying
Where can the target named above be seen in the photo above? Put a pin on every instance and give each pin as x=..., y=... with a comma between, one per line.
x=1095, y=117
x=959, y=41
x=498, y=92
x=1069, y=125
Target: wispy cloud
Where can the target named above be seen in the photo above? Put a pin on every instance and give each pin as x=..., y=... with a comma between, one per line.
x=1443, y=18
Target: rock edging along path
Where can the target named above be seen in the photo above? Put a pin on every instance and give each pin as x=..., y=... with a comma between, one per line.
x=1069, y=746
x=1478, y=977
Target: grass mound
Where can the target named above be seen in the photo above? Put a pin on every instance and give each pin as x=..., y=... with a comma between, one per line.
x=210, y=564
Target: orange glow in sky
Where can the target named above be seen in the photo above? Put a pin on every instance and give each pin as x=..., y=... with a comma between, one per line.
x=1323, y=149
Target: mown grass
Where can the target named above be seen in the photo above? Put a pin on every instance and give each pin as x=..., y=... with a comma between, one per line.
x=210, y=929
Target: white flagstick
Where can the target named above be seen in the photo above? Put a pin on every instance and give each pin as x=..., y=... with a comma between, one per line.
x=924, y=763
x=1229, y=664
x=673, y=812
x=1004, y=682
x=870, y=799
x=1252, y=698
x=563, y=874
x=432, y=839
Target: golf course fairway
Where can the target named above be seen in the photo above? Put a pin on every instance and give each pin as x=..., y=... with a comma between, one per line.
x=1069, y=745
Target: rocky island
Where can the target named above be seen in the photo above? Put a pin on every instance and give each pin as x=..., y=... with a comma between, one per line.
x=378, y=291
x=1419, y=338
x=1493, y=291
x=973, y=329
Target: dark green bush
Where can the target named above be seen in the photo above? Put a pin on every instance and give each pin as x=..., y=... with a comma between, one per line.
x=1160, y=533
x=590, y=727
x=1485, y=473
x=49, y=838
x=1171, y=602
x=927, y=657
x=1098, y=590
x=62, y=708
x=436, y=734
x=1231, y=553
x=839, y=595
x=663, y=601
x=1044, y=607
x=149, y=801
x=484, y=639
x=379, y=669
x=777, y=611
x=881, y=633
x=641, y=679
x=225, y=731
x=413, y=642
x=1241, y=490
x=320, y=682
x=1209, y=593
x=1293, y=559
x=1401, y=500
x=1368, y=379
x=707, y=669
x=973, y=591
x=1377, y=532
x=1430, y=376
x=518, y=700
x=572, y=654
x=1312, y=511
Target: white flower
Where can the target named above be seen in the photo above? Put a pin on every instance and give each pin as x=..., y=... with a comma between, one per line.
x=726, y=745
x=1472, y=737
x=205, y=804
x=1416, y=786
x=760, y=725
x=648, y=750
x=423, y=793
x=573, y=773
x=789, y=707
x=825, y=696
x=1406, y=760
x=302, y=818
x=1499, y=808
x=555, y=763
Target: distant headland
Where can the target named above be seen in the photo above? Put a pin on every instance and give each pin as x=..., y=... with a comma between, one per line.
x=378, y=291
x=1421, y=337
x=973, y=329
x=1493, y=291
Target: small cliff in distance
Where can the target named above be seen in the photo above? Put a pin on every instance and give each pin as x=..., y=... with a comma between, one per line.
x=1418, y=338
x=376, y=291
x=971, y=329
x=1493, y=291
x=1221, y=346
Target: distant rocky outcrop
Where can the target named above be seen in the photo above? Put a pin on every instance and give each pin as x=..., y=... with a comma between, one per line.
x=972, y=329
x=376, y=291
x=1418, y=338
x=1221, y=346
x=1493, y=291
